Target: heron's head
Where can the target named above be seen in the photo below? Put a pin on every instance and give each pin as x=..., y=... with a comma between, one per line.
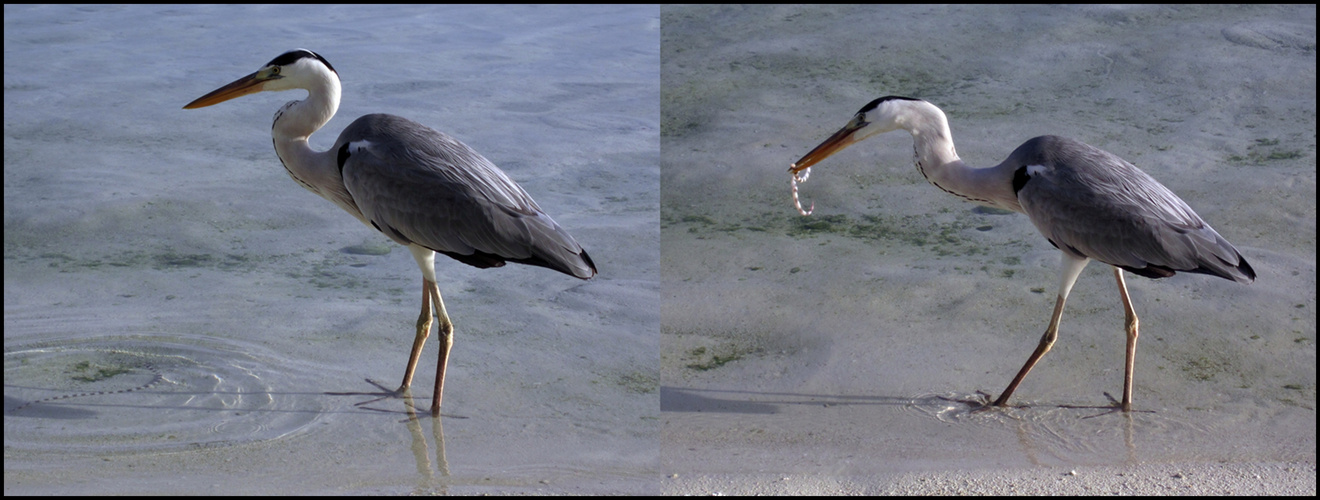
x=877, y=117
x=295, y=69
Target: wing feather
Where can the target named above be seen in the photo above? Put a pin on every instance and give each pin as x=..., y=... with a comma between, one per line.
x=1094, y=204
x=418, y=185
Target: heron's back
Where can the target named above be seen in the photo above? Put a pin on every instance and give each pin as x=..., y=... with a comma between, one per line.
x=1094, y=204
x=418, y=185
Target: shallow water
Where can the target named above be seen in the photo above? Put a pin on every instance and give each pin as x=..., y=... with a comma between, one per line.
x=177, y=307
x=813, y=345
x=151, y=393
x=182, y=318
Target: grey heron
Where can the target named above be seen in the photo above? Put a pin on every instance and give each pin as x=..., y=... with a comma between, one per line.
x=419, y=187
x=1089, y=204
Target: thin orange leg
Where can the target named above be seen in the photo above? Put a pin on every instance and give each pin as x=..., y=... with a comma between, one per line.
x=423, y=331
x=1046, y=342
x=1070, y=267
x=1131, y=326
x=446, y=330
x=431, y=301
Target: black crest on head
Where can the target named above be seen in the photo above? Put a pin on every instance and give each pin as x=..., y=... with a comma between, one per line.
x=292, y=56
x=872, y=105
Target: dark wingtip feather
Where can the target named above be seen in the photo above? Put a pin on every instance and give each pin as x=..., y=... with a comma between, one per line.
x=587, y=258
x=1246, y=270
x=1245, y=274
x=485, y=260
x=1153, y=271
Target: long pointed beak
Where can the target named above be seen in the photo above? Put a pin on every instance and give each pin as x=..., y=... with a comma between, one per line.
x=841, y=139
x=243, y=86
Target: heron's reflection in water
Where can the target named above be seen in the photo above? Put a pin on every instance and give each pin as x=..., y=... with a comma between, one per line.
x=432, y=477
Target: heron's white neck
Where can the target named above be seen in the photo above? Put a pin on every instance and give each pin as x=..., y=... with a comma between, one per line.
x=937, y=160
x=295, y=122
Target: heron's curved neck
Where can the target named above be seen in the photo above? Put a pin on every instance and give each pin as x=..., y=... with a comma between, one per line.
x=295, y=122
x=932, y=142
x=937, y=160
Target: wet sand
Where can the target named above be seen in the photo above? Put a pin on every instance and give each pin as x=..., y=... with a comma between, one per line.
x=1161, y=479
x=844, y=351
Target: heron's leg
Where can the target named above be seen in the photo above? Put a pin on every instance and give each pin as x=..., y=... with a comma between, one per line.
x=446, y=340
x=1071, y=267
x=423, y=331
x=1131, y=326
x=1046, y=342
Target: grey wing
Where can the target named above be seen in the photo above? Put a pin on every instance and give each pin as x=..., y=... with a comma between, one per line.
x=1094, y=204
x=417, y=185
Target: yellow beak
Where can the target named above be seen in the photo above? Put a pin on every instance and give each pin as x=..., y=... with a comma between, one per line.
x=841, y=139
x=250, y=84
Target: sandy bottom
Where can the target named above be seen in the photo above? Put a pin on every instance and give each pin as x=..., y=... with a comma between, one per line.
x=1163, y=479
x=844, y=352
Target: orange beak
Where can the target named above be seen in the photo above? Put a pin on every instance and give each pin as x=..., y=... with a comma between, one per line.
x=250, y=84
x=837, y=142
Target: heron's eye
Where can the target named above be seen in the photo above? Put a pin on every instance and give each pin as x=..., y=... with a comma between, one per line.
x=275, y=70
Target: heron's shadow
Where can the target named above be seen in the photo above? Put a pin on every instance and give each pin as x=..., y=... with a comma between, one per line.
x=681, y=399
x=385, y=393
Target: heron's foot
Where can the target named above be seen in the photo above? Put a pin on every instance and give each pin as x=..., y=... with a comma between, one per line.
x=982, y=401
x=1114, y=406
x=995, y=406
x=1000, y=402
x=1123, y=406
x=1126, y=406
x=976, y=402
x=382, y=394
